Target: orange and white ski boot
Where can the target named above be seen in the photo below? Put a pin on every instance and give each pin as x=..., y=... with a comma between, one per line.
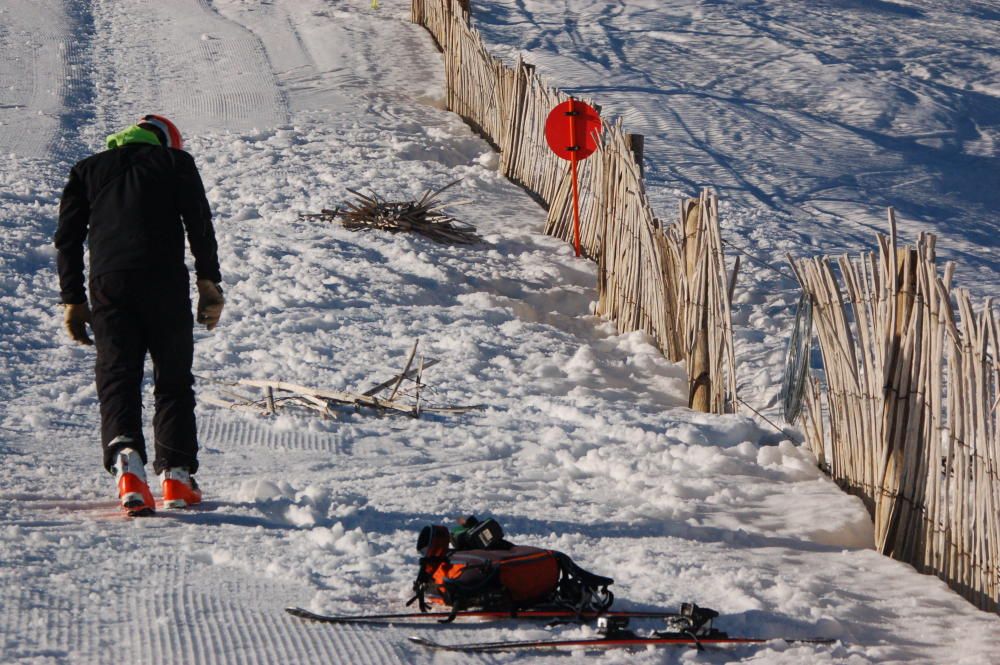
x=133, y=491
x=179, y=489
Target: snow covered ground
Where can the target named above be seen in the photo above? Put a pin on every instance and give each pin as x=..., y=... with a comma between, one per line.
x=582, y=446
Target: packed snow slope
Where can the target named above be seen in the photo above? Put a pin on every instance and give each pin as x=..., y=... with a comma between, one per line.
x=583, y=444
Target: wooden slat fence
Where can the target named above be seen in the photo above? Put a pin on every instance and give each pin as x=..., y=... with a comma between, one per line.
x=669, y=281
x=911, y=422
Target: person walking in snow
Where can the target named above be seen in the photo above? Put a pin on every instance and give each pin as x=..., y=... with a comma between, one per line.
x=133, y=203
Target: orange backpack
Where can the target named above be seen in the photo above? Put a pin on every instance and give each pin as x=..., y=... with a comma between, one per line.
x=476, y=567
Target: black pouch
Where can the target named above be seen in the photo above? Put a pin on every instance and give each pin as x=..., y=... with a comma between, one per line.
x=476, y=535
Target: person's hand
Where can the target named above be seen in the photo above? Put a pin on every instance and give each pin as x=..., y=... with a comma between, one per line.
x=75, y=319
x=210, y=302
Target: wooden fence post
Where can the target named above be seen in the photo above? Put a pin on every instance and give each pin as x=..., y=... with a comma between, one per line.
x=447, y=46
x=512, y=143
x=895, y=413
x=699, y=374
x=637, y=143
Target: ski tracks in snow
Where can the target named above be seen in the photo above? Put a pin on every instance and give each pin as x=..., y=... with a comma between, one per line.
x=158, y=608
x=184, y=60
x=324, y=53
x=39, y=66
x=154, y=590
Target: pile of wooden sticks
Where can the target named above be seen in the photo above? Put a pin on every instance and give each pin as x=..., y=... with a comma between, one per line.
x=405, y=394
x=425, y=217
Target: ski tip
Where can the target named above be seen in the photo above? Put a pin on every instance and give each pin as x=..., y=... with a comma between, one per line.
x=139, y=512
x=299, y=612
x=424, y=642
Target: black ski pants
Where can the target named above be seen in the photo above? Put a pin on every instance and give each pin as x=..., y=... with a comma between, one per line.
x=135, y=312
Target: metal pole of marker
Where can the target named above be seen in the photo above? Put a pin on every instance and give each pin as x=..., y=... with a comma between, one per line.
x=570, y=142
x=574, y=149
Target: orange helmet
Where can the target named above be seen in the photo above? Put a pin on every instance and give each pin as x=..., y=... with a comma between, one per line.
x=165, y=130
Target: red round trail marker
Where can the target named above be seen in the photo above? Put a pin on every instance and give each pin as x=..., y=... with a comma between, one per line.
x=570, y=135
x=571, y=131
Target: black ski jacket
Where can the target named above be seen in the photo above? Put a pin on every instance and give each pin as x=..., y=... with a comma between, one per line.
x=133, y=205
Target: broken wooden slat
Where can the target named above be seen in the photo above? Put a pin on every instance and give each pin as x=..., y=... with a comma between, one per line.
x=430, y=362
x=406, y=369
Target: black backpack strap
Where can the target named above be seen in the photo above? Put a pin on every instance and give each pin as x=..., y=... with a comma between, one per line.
x=586, y=577
x=432, y=543
x=581, y=590
x=419, y=586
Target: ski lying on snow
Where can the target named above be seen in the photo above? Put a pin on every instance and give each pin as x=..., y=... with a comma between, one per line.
x=138, y=512
x=162, y=511
x=610, y=642
x=495, y=615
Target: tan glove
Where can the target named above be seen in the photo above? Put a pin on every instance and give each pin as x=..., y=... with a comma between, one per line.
x=210, y=302
x=75, y=319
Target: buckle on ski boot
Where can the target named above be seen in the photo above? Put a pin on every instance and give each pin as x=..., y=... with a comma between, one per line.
x=612, y=626
x=692, y=620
